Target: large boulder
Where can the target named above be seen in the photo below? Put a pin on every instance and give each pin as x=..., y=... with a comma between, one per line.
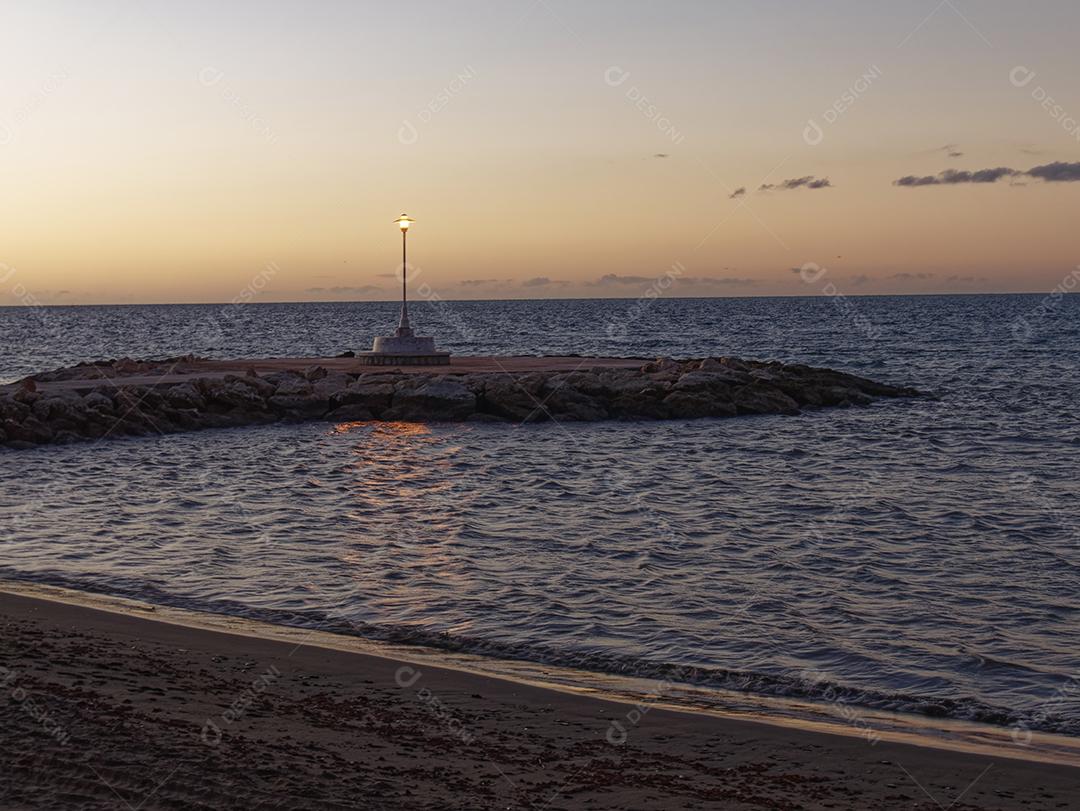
x=185, y=396
x=98, y=402
x=761, y=398
x=330, y=385
x=59, y=405
x=441, y=398
x=695, y=405
x=297, y=406
x=719, y=380
x=230, y=394
x=375, y=392
x=588, y=383
x=288, y=384
x=567, y=403
x=516, y=399
x=264, y=387
x=661, y=365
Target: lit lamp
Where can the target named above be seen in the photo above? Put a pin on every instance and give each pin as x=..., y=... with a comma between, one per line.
x=404, y=330
x=403, y=348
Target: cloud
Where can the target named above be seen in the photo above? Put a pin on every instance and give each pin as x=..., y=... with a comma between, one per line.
x=362, y=290
x=719, y=280
x=1057, y=172
x=861, y=279
x=661, y=155
x=477, y=282
x=542, y=281
x=808, y=182
x=739, y=192
x=952, y=177
x=613, y=278
x=387, y=276
x=951, y=150
x=966, y=279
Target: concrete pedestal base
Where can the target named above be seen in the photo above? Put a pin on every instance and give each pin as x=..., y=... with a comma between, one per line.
x=404, y=350
x=386, y=359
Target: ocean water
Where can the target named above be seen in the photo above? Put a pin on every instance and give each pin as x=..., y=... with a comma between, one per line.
x=921, y=556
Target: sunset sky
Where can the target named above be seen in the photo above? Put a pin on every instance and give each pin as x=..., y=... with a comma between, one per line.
x=169, y=152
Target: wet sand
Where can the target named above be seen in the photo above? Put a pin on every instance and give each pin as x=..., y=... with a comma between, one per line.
x=112, y=710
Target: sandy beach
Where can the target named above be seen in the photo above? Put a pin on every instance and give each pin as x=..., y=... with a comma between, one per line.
x=106, y=709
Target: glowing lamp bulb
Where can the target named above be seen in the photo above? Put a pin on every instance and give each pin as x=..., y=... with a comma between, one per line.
x=404, y=221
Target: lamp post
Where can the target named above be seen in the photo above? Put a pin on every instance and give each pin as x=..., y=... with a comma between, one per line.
x=404, y=348
x=404, y=330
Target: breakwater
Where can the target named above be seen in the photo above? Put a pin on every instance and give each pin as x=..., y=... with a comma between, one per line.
x=106, y=399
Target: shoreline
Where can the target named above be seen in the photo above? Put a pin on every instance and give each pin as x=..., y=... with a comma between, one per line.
x=108, y=706
x=769, y=716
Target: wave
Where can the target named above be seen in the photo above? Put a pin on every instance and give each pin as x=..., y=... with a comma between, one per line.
x=804, y=685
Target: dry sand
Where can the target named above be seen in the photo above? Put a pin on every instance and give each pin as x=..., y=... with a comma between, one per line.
x=112, y=710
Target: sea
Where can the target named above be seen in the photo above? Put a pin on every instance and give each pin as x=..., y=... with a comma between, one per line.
x=915, y=559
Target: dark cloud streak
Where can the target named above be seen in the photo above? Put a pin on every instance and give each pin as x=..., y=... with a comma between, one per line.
x=808, y=182
x=1057, y=172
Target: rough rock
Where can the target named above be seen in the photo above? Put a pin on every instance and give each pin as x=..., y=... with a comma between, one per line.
x=52, y=411
x=354, y=412
x=759, y=399
x=445, y=397
x=326, y=387
x=514, y=399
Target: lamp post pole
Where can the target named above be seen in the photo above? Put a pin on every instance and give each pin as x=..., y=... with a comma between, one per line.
x=404, y=277
x=404, y=330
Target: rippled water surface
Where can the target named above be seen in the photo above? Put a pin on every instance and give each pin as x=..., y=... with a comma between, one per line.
x=913, y=555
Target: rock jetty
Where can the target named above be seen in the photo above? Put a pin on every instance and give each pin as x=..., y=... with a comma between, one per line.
x=139, y=398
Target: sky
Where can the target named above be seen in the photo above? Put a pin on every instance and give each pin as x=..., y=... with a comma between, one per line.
x=200, y=152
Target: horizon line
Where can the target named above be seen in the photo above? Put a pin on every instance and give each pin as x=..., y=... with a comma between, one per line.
x=497, y=300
